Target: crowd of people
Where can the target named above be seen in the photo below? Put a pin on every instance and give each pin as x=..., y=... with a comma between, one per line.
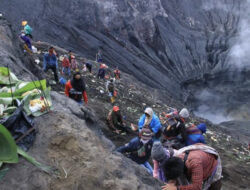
x=171, y=149
x=180, y=157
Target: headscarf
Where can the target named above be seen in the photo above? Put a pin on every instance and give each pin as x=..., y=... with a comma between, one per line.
x=148, y=120
x=78, y=84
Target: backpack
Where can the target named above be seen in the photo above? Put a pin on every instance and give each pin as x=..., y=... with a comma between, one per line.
x=170, y=125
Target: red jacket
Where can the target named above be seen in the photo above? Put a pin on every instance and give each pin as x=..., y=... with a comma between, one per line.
x=65, y=62
x=68, y=87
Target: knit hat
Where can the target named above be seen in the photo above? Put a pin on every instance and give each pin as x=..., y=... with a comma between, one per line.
x=146, y=134
x=184, y=113
x=158, y=152
x=116, y=108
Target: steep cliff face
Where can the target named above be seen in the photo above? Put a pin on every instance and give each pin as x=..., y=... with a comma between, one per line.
x=186, y=47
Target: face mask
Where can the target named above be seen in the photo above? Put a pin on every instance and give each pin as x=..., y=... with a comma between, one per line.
x=22, y=34
x=144, y=141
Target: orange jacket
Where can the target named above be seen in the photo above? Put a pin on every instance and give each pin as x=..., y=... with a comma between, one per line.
x=68, y=87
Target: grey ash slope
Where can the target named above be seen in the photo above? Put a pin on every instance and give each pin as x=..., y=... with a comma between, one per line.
x=74, y=138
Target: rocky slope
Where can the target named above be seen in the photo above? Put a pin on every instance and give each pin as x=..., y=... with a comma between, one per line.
x=77, y=142
x=192, y=49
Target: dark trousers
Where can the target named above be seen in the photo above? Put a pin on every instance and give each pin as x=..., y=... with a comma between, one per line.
x=89, y=67
x=54, y=69
x=122, y=128
x=216, y=185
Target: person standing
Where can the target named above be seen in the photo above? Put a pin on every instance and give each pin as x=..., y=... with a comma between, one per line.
x=50, y=62
x=99, y=56
x=66, y=66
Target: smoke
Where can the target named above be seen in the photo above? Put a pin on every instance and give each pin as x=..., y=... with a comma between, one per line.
x=214, y=115
x=211, y=107
x=240, y=51
x=239, y=55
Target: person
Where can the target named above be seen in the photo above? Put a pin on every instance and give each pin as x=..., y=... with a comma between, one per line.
x=70, y=54
x=99, y=56
x=139, y=149
x=115, y=121
x=173, y=127
x=195, y=134
x=102, y=71
x=150, y=119
x=50, y=62
x=117, y=73
x=66, y=66
x=89, y=67
x=111, y=90
x=73, y=63
x=201, y=165
x=75, y=89
x=84, y=68
x=27, y=29
x=159, y=154
x=27, y=42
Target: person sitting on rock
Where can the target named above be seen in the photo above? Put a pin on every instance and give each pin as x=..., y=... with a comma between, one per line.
x=27, y=42
x=75, y=89
x=139, y=149
x=50, y=62
x=151, y=120
x=66, y=66
x=117, y=74
x=115, y=121
x=159, y=154
x=173, y=127
x=195, y=134
x=27, y=29
x=201, y=165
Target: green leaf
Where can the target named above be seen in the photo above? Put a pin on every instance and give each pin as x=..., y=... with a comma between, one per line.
x=29, y=86
x=5, y=78
x=8, y=148
x=33, y=161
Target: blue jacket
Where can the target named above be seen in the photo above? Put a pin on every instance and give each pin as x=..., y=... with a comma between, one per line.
x=49, y=60
x=138, y=152
x=155, y=124
x=195, y=134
